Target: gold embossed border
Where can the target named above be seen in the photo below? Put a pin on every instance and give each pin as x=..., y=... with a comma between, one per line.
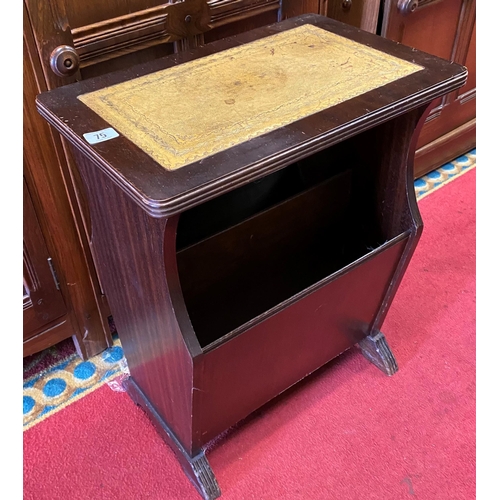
x=189, y=112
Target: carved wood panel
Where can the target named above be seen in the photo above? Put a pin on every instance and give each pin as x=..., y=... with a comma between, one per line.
x=42, y=299
x=86, y=319
x=75, y=36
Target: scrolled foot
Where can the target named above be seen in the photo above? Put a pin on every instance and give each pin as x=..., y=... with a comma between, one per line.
x=375, y=349
x=203, y=477
x=196, y=468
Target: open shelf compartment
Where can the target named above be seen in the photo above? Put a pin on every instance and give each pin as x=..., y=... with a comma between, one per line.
x=241, y=255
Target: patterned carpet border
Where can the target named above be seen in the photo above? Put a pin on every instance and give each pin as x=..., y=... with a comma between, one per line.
x=443, y=175
x=57, y=386
x=43, y=361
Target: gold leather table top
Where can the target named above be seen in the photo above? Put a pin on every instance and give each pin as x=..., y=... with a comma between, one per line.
x=188, y=112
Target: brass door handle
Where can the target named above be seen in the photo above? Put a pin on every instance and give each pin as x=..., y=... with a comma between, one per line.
x=64, y=61
x=407, y=6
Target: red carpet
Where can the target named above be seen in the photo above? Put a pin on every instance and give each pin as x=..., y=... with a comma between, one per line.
x=348, y=432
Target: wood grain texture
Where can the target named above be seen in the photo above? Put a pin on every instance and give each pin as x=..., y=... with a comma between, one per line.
x=52, y=334
x=196, y=466
x=361, y=13
x=240, y=375
x=47, y=184
x=244, y=272
x=224, y=12
x=445, y=29
x=231, y=25
x=310, y=229
x=393, y=148
x=46, y=302
x=126, y=33
x=445, y=148
x=184, y=114
x=163, y=193
x=458, y=107
x=292, y=8
x=136, y=255
x=103, y=32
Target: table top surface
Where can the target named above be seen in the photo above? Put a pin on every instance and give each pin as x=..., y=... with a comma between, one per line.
x=182, y=129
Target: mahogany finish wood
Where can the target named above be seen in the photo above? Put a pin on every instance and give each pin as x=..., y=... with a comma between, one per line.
x=114, y=35
x=83, y=319
x=98, y=37
x=361, y=13
x=43, y=302
x=232, y=278
x=446, y=29
x=297, y=7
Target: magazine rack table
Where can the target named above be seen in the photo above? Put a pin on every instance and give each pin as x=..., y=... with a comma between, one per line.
x=252, y=212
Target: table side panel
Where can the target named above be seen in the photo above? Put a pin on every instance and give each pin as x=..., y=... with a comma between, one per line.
x=248, y=370
x=137, y=192
x=131, y=249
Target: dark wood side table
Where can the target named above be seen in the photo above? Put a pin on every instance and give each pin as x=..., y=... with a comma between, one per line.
x=252, y=210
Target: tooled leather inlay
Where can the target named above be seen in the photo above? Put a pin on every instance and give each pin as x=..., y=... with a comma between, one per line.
x=188, y=112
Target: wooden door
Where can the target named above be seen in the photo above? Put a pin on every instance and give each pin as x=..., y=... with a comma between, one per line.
x=445, y=28
x=43, y=302
x=49, y=185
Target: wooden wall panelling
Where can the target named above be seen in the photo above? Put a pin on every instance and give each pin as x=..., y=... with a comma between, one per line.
x=292, y=8
x=47, y=27
x=43, y=302
x=458, y=110
x=445, y=28
x=46, y=318
x=360, y=13
x=242, y=25
x=227, y=12
x=195, y=385
x=47, y=186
